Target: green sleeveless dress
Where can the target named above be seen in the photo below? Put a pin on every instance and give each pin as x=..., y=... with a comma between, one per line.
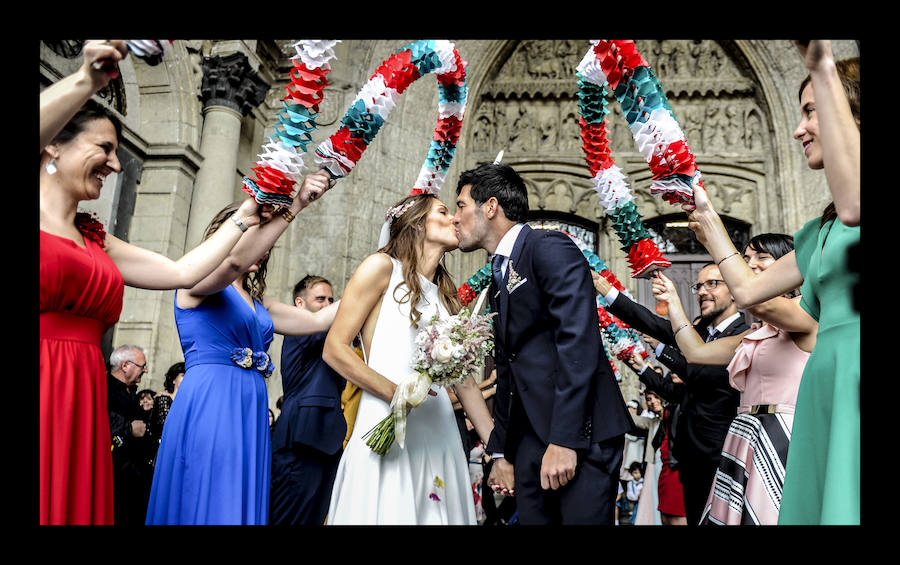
x=822, y=480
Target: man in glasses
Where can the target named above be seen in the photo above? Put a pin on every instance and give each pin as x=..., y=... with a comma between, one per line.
x=131, y=442
x=707, y=401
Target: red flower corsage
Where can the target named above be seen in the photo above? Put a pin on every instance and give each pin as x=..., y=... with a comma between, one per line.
x=91, y=227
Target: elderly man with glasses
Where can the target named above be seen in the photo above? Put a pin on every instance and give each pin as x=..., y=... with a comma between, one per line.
x=131, y=442
x=708, y=403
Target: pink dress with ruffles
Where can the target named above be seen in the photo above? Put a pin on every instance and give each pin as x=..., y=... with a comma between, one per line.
x=766, y=369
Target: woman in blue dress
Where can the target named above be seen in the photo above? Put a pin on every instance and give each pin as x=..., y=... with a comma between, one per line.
x=214, y=457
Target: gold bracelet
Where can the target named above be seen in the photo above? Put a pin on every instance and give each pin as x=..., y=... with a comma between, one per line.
x=726, y=257
x=286, y=214
x=679, y=329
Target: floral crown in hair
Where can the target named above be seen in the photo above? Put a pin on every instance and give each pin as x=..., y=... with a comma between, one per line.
x=397, y=211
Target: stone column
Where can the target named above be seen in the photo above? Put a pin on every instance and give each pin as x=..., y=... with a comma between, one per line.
x=230, y=89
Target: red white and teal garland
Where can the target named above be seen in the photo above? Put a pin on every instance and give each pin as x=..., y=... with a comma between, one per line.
x=619, y=339
x=372, y=106
x=281, y=164
x=656, y=132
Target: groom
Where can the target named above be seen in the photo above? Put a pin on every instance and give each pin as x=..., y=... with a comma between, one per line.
x=559, y=417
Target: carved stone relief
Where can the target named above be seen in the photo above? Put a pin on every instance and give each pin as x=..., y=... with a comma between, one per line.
x=530, y=111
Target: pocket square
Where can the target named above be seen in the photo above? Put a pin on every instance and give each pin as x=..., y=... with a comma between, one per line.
x=517, y=285
x=515, y=280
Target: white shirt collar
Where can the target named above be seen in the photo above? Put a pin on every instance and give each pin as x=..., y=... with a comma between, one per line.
x=508, y=241
x=724, y=324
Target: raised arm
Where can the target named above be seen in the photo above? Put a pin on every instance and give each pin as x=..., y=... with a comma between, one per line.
x=695, y=350
x=62, y=100
x=747, y=288
x=290, y=320
x=218, y=261
x=361, y=297
x=838, y=132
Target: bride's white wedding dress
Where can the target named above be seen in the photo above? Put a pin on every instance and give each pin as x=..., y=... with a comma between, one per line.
x=426, y=481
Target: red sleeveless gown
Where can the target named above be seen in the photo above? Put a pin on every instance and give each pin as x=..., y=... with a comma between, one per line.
x=81, y=297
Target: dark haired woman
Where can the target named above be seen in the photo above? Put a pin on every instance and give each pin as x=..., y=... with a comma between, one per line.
x=765, y=364
x=82, y=272
x=822, y=477
x=162, y=402
x=214, y=459
x=391, y=296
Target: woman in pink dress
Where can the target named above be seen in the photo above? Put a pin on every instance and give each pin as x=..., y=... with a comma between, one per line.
x=765, y=364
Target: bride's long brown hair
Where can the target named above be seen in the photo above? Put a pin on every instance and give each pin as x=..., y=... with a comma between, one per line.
x=406, y=244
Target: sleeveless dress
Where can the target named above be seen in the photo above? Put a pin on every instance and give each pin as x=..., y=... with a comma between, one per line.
x=426, y=481
x=748, y=485
x=81, y=297
x=214, y=456
x=822, y=480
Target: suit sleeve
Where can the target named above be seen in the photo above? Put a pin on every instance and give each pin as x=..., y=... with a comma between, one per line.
x=666, y=388
x=497, y=441
x=641, y=319
x=567, y=288
x=672, y=358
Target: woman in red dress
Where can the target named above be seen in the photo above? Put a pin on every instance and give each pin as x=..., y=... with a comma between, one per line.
x=82, y=273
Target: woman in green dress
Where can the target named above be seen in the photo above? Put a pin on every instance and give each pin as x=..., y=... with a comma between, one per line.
x=822, y=474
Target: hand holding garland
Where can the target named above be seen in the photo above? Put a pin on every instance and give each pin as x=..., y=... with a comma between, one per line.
x=695, y=350
x=838, y=131
x=747, y=288
x=62, y=99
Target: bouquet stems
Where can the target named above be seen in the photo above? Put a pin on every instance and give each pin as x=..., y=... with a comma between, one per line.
x=381, y=437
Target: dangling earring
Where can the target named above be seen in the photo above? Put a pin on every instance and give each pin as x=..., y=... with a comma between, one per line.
x=50, y=167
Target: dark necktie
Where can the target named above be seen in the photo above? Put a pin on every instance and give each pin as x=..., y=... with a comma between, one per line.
x=498, y=275
x=713, y=336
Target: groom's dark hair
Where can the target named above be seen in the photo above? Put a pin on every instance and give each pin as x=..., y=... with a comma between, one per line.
x=501, y=182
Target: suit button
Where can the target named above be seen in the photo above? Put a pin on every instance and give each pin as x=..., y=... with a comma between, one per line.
x=512, y=356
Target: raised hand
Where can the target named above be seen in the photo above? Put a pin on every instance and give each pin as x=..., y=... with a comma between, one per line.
x=314, y=185
x=601, y=285
x=663, y=288
x=249, y=212
x=814, y=51
x=700, y=214
x=101, y=60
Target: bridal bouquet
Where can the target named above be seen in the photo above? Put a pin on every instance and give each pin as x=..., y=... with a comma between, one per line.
x=448, y=351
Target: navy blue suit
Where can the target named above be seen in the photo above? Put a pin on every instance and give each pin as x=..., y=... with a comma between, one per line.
x=555, y=383
x=308, y=436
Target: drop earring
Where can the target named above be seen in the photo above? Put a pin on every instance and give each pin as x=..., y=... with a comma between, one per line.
x=50, y=167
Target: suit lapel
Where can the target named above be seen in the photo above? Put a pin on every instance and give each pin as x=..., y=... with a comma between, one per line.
x=513, y=260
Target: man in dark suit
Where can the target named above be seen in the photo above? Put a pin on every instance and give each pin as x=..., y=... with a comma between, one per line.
x=708, y=402
x=131, y=443
x=308, y=437
x=559, y=416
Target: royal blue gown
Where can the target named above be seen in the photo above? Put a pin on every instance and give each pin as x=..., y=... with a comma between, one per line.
x=214, y=458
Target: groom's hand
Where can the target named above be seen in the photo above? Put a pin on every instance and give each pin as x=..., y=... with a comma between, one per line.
x=502, y=478
x=557, y=466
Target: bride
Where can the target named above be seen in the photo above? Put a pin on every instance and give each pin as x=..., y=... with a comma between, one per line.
x=426, y=481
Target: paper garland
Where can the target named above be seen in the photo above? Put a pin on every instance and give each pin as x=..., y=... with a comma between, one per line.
x=370, y=110
x=618, y=337
x=281, y=163
x=151, y=51
x=656, y=132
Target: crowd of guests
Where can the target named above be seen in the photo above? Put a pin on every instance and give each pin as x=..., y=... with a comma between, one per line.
x=737, y=423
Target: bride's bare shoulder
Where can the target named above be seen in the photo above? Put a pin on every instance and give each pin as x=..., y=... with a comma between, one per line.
x=374, y=269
